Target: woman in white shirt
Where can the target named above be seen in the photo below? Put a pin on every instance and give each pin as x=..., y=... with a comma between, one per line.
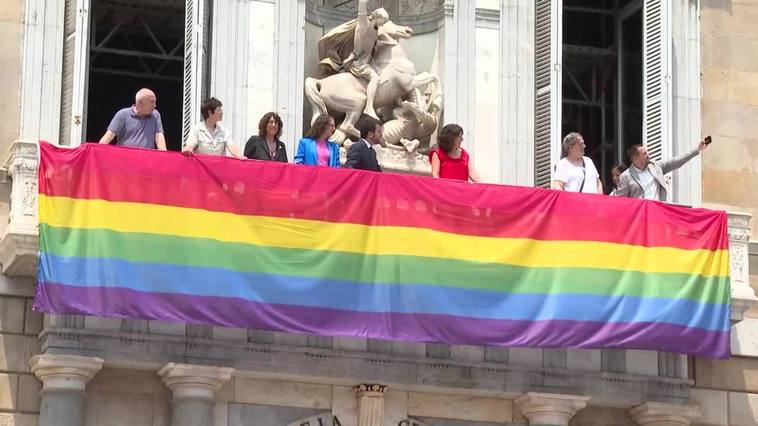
x=209, y=136
x=575, y=172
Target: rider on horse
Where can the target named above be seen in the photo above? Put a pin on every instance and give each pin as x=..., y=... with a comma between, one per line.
x=359, y=63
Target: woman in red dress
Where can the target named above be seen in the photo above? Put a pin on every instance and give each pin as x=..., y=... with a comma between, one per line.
x=449, y=160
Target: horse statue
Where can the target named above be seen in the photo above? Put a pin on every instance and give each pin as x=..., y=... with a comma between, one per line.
x=343, y=92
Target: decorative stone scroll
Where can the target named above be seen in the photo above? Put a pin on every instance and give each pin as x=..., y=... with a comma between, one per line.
x=743, y=296
x=20, y=244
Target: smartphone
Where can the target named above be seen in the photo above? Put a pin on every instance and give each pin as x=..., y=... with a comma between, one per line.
x=708, y=140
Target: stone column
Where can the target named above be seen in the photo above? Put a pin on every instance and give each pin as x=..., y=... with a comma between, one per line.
x=517, y=85
x=663, y=414
x=459, y=73
x=194, y=388
x=289, y=68
x=370, y=404
x=63, y=378
x=550, y=409
x=743, y=296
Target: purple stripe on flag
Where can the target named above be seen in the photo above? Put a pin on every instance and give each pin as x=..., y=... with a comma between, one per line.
x=233, y=312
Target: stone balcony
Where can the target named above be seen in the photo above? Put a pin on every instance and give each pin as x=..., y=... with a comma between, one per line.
x=608, y=378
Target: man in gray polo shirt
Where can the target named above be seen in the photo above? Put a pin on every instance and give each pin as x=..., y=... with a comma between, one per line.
x=139, y=125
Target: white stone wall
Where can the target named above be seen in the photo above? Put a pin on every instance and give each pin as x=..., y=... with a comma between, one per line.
x=260, y=71
x=488, y=147
x=257, y=65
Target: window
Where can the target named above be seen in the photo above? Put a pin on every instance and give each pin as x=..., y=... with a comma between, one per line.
x=116, y=48
x=602, y=69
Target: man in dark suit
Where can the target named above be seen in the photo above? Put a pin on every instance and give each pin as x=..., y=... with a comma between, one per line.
x=361, y=154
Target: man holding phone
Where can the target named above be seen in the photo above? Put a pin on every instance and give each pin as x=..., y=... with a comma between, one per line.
x=645, y=178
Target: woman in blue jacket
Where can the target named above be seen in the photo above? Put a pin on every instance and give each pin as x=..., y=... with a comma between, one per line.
x=315, y=149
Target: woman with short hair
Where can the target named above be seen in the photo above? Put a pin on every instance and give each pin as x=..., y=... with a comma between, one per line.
x=575, y=172
x=266, y=144
x=315, y=149
x=209, y=136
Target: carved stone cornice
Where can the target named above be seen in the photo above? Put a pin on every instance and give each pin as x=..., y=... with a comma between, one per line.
x=300, y=363
x=370, y=388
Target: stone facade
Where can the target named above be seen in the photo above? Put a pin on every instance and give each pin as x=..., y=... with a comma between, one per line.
x=729, y=37
x=726, y=391
x=19, y=330
x=12, y=33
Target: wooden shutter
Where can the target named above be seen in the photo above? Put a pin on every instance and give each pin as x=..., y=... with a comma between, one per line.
x=67, y=73
x=657, y=41
x=195, y=37
x=547, y=88
x=74, y=110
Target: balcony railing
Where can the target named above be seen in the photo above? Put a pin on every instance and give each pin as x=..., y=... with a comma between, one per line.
x=19, y=245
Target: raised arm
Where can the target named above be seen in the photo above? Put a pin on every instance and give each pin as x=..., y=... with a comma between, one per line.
x=362, y=7
x=677, y=162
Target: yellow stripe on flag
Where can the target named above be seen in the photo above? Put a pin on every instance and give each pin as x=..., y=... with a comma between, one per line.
x=382, y=240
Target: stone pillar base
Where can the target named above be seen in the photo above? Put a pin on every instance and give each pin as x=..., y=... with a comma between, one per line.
x=550, y=409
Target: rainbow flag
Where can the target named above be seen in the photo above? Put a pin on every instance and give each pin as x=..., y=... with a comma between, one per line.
x=145, y=234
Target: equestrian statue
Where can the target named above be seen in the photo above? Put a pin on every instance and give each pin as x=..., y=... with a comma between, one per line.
x=366, y=71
